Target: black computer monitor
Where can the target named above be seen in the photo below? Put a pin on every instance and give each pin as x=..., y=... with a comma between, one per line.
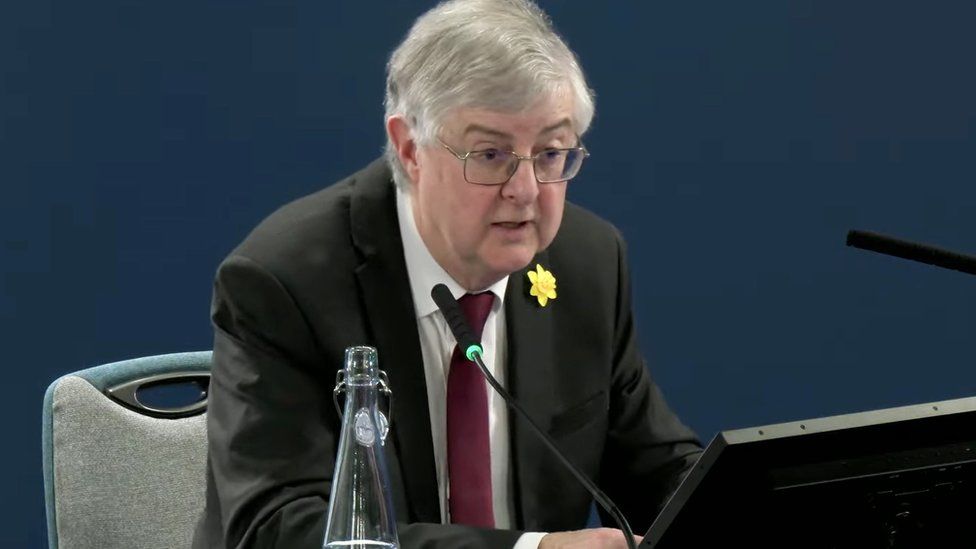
x=894, y=478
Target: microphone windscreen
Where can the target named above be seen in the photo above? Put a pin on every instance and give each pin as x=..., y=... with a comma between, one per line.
x=914, y=251
x=454, y=317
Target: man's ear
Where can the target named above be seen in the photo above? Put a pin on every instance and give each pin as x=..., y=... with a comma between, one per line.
x=403, y=142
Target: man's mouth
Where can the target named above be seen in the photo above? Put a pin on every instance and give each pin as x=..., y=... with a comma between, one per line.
x=511, y=224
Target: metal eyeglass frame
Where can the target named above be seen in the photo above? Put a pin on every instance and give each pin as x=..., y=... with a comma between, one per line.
x=520, y=158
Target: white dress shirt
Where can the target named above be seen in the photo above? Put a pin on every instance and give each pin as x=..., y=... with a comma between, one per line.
x=437, y=344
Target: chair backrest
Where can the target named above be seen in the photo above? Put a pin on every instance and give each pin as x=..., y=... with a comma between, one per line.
x=121, y=472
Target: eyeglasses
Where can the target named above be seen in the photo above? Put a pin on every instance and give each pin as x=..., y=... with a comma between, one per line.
x=496, y=167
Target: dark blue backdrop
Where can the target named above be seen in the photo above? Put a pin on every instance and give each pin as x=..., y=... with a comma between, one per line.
x=734, y=145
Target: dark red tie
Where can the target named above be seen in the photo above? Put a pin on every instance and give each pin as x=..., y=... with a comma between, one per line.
x=468, y=451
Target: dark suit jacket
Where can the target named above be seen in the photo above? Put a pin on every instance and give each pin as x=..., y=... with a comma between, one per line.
x=327, y=272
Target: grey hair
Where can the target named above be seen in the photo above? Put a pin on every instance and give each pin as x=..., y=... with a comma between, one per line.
x=497, y=54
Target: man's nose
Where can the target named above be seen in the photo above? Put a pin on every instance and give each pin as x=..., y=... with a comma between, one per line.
x=522, y=188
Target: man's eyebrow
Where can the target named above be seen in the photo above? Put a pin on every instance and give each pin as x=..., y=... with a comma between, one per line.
x=557, y=126
x=485, y=129
x=565, y=122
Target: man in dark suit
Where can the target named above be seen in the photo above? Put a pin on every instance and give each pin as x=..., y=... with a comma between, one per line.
x=485, y=108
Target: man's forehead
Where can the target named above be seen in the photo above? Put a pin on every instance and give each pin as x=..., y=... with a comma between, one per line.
x=547, y=115
x=501, y=130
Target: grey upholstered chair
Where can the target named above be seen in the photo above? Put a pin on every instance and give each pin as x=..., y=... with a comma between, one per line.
x=120, y=471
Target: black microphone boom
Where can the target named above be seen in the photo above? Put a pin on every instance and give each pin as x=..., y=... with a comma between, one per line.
x=922, y=253
x=466, y=340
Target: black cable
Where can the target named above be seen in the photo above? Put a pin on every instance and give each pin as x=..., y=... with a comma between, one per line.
x=472, y=349
x=598, y=494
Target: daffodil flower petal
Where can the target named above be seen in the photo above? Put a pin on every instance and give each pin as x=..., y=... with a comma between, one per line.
x=543, y=285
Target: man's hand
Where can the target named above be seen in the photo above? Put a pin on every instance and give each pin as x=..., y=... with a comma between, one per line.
x=593, y=538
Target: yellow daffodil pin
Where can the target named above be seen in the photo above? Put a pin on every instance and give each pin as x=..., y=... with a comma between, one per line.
x=543, y=285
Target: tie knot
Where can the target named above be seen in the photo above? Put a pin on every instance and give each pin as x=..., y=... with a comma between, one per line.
x=476, y=308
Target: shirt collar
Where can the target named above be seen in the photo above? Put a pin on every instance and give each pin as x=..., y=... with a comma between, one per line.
x=423, y=270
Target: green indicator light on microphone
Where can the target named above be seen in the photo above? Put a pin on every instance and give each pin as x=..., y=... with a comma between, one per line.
x=472, y=350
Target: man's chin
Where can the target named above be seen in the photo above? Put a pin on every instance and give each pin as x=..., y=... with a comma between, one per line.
x=514, y=262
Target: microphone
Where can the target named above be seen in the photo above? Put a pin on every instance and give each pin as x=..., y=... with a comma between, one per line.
x=473, y=351
x=914, y=251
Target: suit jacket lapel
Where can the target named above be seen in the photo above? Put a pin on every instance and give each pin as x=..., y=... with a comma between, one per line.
x=530, y=355
x=390, y=312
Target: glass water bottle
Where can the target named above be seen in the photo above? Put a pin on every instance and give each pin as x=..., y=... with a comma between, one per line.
x=361, y=514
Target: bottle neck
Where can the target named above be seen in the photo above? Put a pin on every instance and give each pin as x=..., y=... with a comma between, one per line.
x=359, y=395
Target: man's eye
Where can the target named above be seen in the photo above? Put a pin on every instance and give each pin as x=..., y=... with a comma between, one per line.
x=552, y=155
x=488, y=155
